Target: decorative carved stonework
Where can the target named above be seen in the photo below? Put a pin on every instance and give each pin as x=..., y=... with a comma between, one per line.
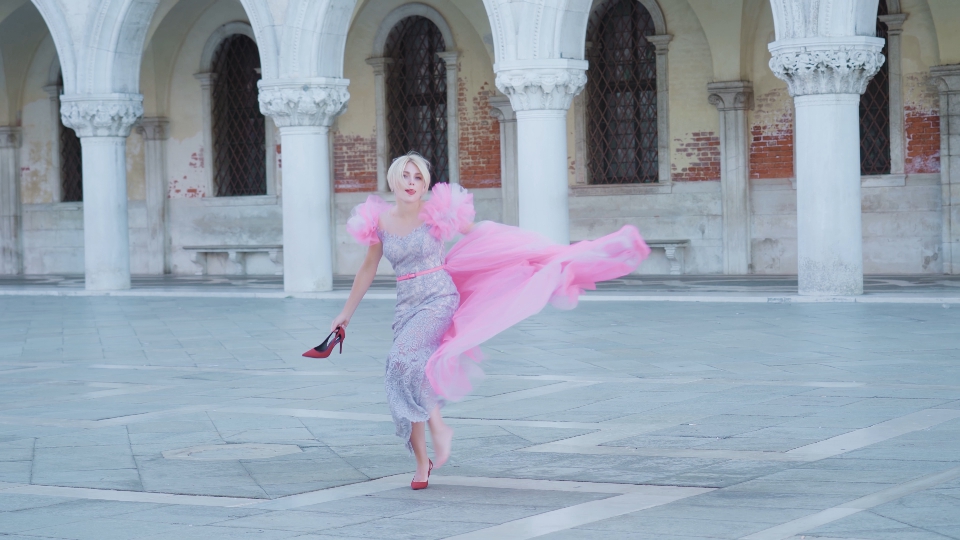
x=541, y=89
x=109, y=115
x=730, y=96
x=827, y=66
x=313, y=102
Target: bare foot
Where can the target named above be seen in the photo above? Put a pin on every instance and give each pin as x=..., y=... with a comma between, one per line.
x=442, y=437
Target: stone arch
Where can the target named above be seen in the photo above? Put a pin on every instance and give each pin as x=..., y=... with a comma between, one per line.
x=220, y=34
x=545, y=30
x=411, y=10
x=264, y=30
x=60, y=32
x=828, y=18
x=314, y=38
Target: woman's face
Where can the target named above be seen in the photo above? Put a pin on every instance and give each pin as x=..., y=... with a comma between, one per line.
x=411, y=187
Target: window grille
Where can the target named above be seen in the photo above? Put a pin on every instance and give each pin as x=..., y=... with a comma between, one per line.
x=239, y=131
x=875, y=114
x=417, y=94
x=621, y=95
x=71, y=161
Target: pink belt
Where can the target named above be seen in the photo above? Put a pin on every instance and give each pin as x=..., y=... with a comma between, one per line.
x=420, y=273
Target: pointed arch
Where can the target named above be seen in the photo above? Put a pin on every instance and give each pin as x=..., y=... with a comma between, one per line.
x=315, y=37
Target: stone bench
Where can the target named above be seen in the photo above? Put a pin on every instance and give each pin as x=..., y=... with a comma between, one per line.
x=670, y=247
x=235, y=254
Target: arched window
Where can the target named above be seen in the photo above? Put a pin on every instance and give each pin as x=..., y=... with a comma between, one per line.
x=621, y=95
x=71, y=161
x=239, y=129
x=416, y=93
x=875, y=114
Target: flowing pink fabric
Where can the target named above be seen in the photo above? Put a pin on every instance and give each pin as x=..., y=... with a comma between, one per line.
x=504, y=275
x=449, y=211
x=365, y=219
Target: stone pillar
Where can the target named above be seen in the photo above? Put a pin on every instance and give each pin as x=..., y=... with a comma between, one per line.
x=304, y=110
x=11, y=261
x=380, y=66
x=453, y=122
x=662, y=44
x=154, y=132
x=733, y=99
x=898, y=146
x=207, y=81
x=947, y=79
x=541, y=92
x=826, y=76
x=501, y=110
x=103, y=123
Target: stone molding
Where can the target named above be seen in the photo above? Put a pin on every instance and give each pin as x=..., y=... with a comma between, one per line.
x=826, y=65
x=304, y=102
x=10, y=137
x=543, y=88
x=894, y=22
x=731, y=96
x=105, y=115
x=154, y=128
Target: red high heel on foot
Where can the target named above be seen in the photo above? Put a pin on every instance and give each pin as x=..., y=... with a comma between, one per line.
x=324, y=349
x=423, y=485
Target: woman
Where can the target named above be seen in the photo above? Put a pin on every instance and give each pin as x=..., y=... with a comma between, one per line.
x=493, y=278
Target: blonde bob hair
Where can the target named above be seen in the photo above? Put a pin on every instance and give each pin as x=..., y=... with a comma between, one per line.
x=395, y=172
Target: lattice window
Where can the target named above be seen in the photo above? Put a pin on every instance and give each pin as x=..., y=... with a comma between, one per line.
x=71, y=161
x=239, y=131
x=417, y=94
x=621, y=95
x=875, y=115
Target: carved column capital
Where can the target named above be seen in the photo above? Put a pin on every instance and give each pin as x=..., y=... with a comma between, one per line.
x=541, y=85
x=10, y=137
x=103, y=115
x=154, y=128
x=894, y=22
x=448, y=57
x=813, y=66
x=661, y=42
x=304, y=102
x=379, y=65
x=730, y=95
x=946, y=78
x=501, y=109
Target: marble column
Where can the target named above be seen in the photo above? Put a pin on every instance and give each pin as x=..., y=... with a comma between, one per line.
x=154, y=132
x=11, y=261
x=541, y=92
x=453, y=121
x=501, y=110
x=826, y=76
x=898, y=146
x=733, y=99
x=304, y=110
x=947, y=79
x=103, y=123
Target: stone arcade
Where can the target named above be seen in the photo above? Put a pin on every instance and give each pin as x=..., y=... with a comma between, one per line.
x=233, y=136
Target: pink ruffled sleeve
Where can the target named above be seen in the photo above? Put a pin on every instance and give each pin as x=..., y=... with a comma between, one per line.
x=449, y=211
x=365, y=220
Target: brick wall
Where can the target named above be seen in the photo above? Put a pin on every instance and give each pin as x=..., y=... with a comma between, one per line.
x=771, y=136
x=479, y=139
x=354, y=162
x=921, y=121
x=700, y=152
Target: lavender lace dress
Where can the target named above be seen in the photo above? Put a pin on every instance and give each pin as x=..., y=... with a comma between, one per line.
x=425, y=307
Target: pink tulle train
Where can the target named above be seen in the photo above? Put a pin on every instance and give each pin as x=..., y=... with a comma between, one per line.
x=504, y=275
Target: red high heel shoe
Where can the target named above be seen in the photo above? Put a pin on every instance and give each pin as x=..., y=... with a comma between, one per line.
x=324, y=349
x=422, y=485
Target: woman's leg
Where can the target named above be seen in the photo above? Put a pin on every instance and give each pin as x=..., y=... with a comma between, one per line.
x=418, y=438
x=442, y=437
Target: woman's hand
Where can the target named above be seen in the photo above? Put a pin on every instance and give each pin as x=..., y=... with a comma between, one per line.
x=339, y=320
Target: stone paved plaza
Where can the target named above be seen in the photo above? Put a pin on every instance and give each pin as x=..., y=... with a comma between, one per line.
x=196, y=418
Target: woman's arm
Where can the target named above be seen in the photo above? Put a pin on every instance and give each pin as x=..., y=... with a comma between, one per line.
x=368, y=270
